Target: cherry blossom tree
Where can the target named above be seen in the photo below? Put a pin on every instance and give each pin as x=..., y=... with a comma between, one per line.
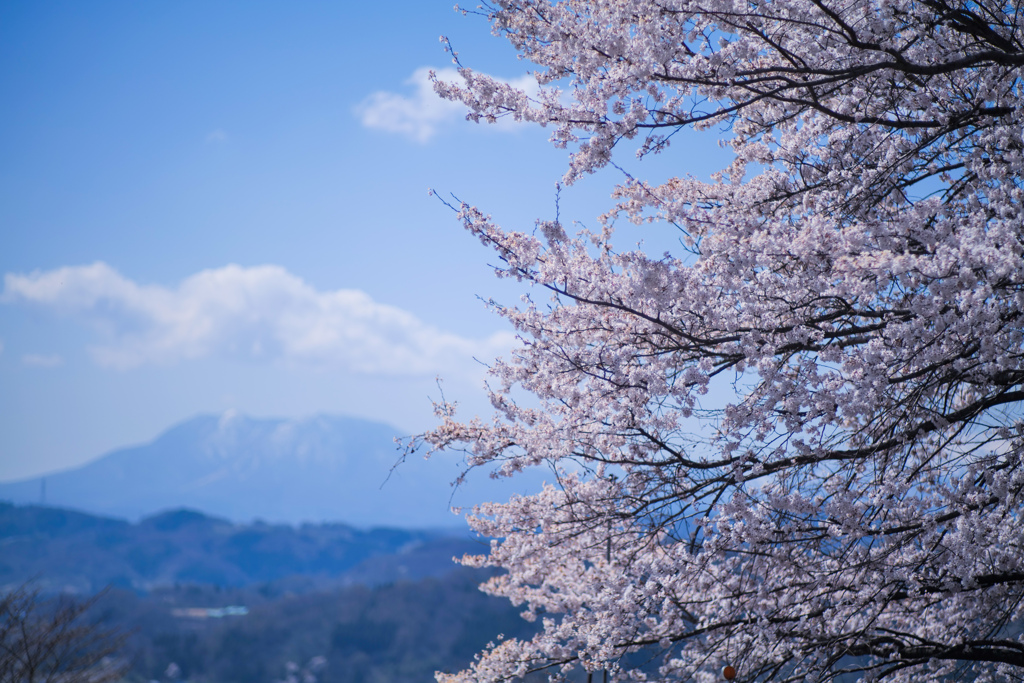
x=793, y=447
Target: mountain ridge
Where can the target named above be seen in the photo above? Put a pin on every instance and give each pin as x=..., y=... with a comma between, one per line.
x=321, y=468
x=71, y=551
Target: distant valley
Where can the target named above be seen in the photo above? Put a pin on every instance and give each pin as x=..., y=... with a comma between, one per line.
x=239, y=550
x=206, y=600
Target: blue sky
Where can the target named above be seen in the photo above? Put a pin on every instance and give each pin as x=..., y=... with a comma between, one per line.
x=212, y=206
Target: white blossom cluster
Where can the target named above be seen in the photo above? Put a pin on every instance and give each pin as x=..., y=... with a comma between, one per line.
x=855, y=279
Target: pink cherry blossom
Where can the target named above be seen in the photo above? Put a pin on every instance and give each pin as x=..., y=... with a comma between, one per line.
x=794, y=447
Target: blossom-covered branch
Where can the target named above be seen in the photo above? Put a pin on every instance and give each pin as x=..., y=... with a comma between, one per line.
x=794, y=447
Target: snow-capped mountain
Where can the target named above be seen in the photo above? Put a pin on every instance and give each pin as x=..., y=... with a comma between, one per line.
x=315, y=469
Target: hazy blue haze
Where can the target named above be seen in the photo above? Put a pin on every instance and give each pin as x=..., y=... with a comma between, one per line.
x=166, y=140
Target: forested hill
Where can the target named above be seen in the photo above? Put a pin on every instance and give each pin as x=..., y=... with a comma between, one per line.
x=66, y=550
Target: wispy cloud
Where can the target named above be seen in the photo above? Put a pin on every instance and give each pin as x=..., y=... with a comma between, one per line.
x=421, y=114
x=40, y=360
x=216, y=136
x=260, y=313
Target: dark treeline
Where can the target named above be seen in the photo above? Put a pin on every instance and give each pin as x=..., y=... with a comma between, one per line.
x=402, y=631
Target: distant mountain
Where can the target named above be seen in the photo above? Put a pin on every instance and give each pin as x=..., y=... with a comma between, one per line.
x=63, y=550
x=316, y=469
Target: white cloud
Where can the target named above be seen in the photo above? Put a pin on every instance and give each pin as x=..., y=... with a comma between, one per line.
x=216, y=136
x=40, y=360
x=420, y=115
x=262, y=313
